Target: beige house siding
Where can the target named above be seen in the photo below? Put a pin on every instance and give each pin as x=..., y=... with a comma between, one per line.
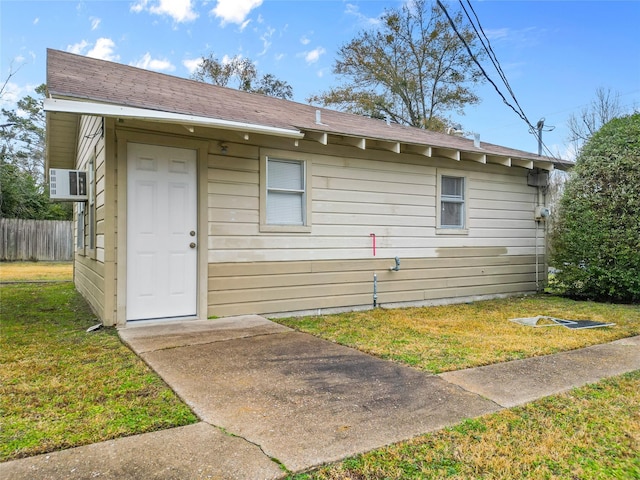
x=365, y=179
x=353, y=194
x=89, y=271
x=356, y=193
x=274, y=287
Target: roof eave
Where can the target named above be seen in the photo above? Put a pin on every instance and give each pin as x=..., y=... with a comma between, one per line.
x=62, y=110
x=120, y=111
x=478, y=155
x=61, y=140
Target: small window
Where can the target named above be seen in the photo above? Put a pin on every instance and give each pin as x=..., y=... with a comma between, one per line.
x=80, y=225
x=286, y=192
x=92, y=204
x=452, y=202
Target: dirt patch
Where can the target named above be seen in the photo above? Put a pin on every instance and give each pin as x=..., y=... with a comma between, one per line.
x=35, y=271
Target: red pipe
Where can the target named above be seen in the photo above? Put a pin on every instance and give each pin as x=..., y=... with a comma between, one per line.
x=373, y=236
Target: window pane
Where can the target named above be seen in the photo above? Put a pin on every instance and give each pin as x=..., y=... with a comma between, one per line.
x=284, y=208
x=452, y=214
x=285, y=175
x=80, y=225
x=453, y=187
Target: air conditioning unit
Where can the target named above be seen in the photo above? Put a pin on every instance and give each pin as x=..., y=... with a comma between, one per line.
x=68, y=185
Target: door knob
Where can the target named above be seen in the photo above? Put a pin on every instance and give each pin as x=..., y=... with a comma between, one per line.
x=192, y=245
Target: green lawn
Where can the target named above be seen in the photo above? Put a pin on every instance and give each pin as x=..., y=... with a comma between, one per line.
x=62, y=387
x=453, y=337
x=590, y=433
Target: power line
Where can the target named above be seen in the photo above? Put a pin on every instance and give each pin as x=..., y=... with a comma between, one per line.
x=473, y=57
x=491, y=53
x=519, y=111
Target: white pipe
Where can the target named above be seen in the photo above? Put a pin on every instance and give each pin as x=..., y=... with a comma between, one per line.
x=375, y=290
x=537, y=274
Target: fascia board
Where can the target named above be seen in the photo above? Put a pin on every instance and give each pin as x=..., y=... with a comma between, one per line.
x=119, y=111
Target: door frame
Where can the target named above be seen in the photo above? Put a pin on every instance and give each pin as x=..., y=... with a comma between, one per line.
x=123, y=138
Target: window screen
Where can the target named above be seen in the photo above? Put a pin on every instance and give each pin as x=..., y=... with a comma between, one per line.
x=452, y=202
x=285, y=192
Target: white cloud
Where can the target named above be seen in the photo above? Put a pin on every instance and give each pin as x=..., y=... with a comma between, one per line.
x=138, y=7
x=103, y=49
x=279, y=57
x=192, y=64
x=78, y=48
x=266, y=40
x=354, y=10
x=95, y=22
x=314, y=55
x=304, y=40
x=234, y=11
x=13, y=92
x=159, y=65
x=496, y=33
x=36, y=20
x=523, y=38
x=322, y=72
x=180, y=10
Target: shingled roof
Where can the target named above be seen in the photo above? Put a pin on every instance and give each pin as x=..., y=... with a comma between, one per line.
x=129, y=90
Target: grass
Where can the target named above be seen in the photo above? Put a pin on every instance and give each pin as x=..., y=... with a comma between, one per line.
x=62, y=387
x=453, y=337
x=590, y=433
x=35, y=271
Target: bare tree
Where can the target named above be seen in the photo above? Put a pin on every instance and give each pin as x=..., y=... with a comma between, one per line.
x=241, y=73
x=412, y=68
x=604, y=107
x=11, y=73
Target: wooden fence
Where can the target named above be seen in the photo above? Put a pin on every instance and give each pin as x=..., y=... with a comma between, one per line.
x=49, y=240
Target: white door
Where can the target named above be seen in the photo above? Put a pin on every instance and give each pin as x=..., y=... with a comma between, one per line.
x=161, y=232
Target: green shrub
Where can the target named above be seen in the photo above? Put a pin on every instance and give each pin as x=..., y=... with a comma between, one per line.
x=595, y=243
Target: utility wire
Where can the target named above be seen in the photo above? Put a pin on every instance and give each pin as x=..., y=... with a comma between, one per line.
x=473, y=57
x=519, y=111
x=536, y=131
x=490, y=52
x=486, y=47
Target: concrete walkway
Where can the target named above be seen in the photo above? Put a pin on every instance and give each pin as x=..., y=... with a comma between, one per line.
x=271, y=398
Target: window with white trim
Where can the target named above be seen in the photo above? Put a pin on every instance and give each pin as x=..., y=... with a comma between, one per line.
x=286, y=192
x=452, y=202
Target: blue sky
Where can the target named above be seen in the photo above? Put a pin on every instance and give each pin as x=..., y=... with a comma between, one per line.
x=554, y=53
